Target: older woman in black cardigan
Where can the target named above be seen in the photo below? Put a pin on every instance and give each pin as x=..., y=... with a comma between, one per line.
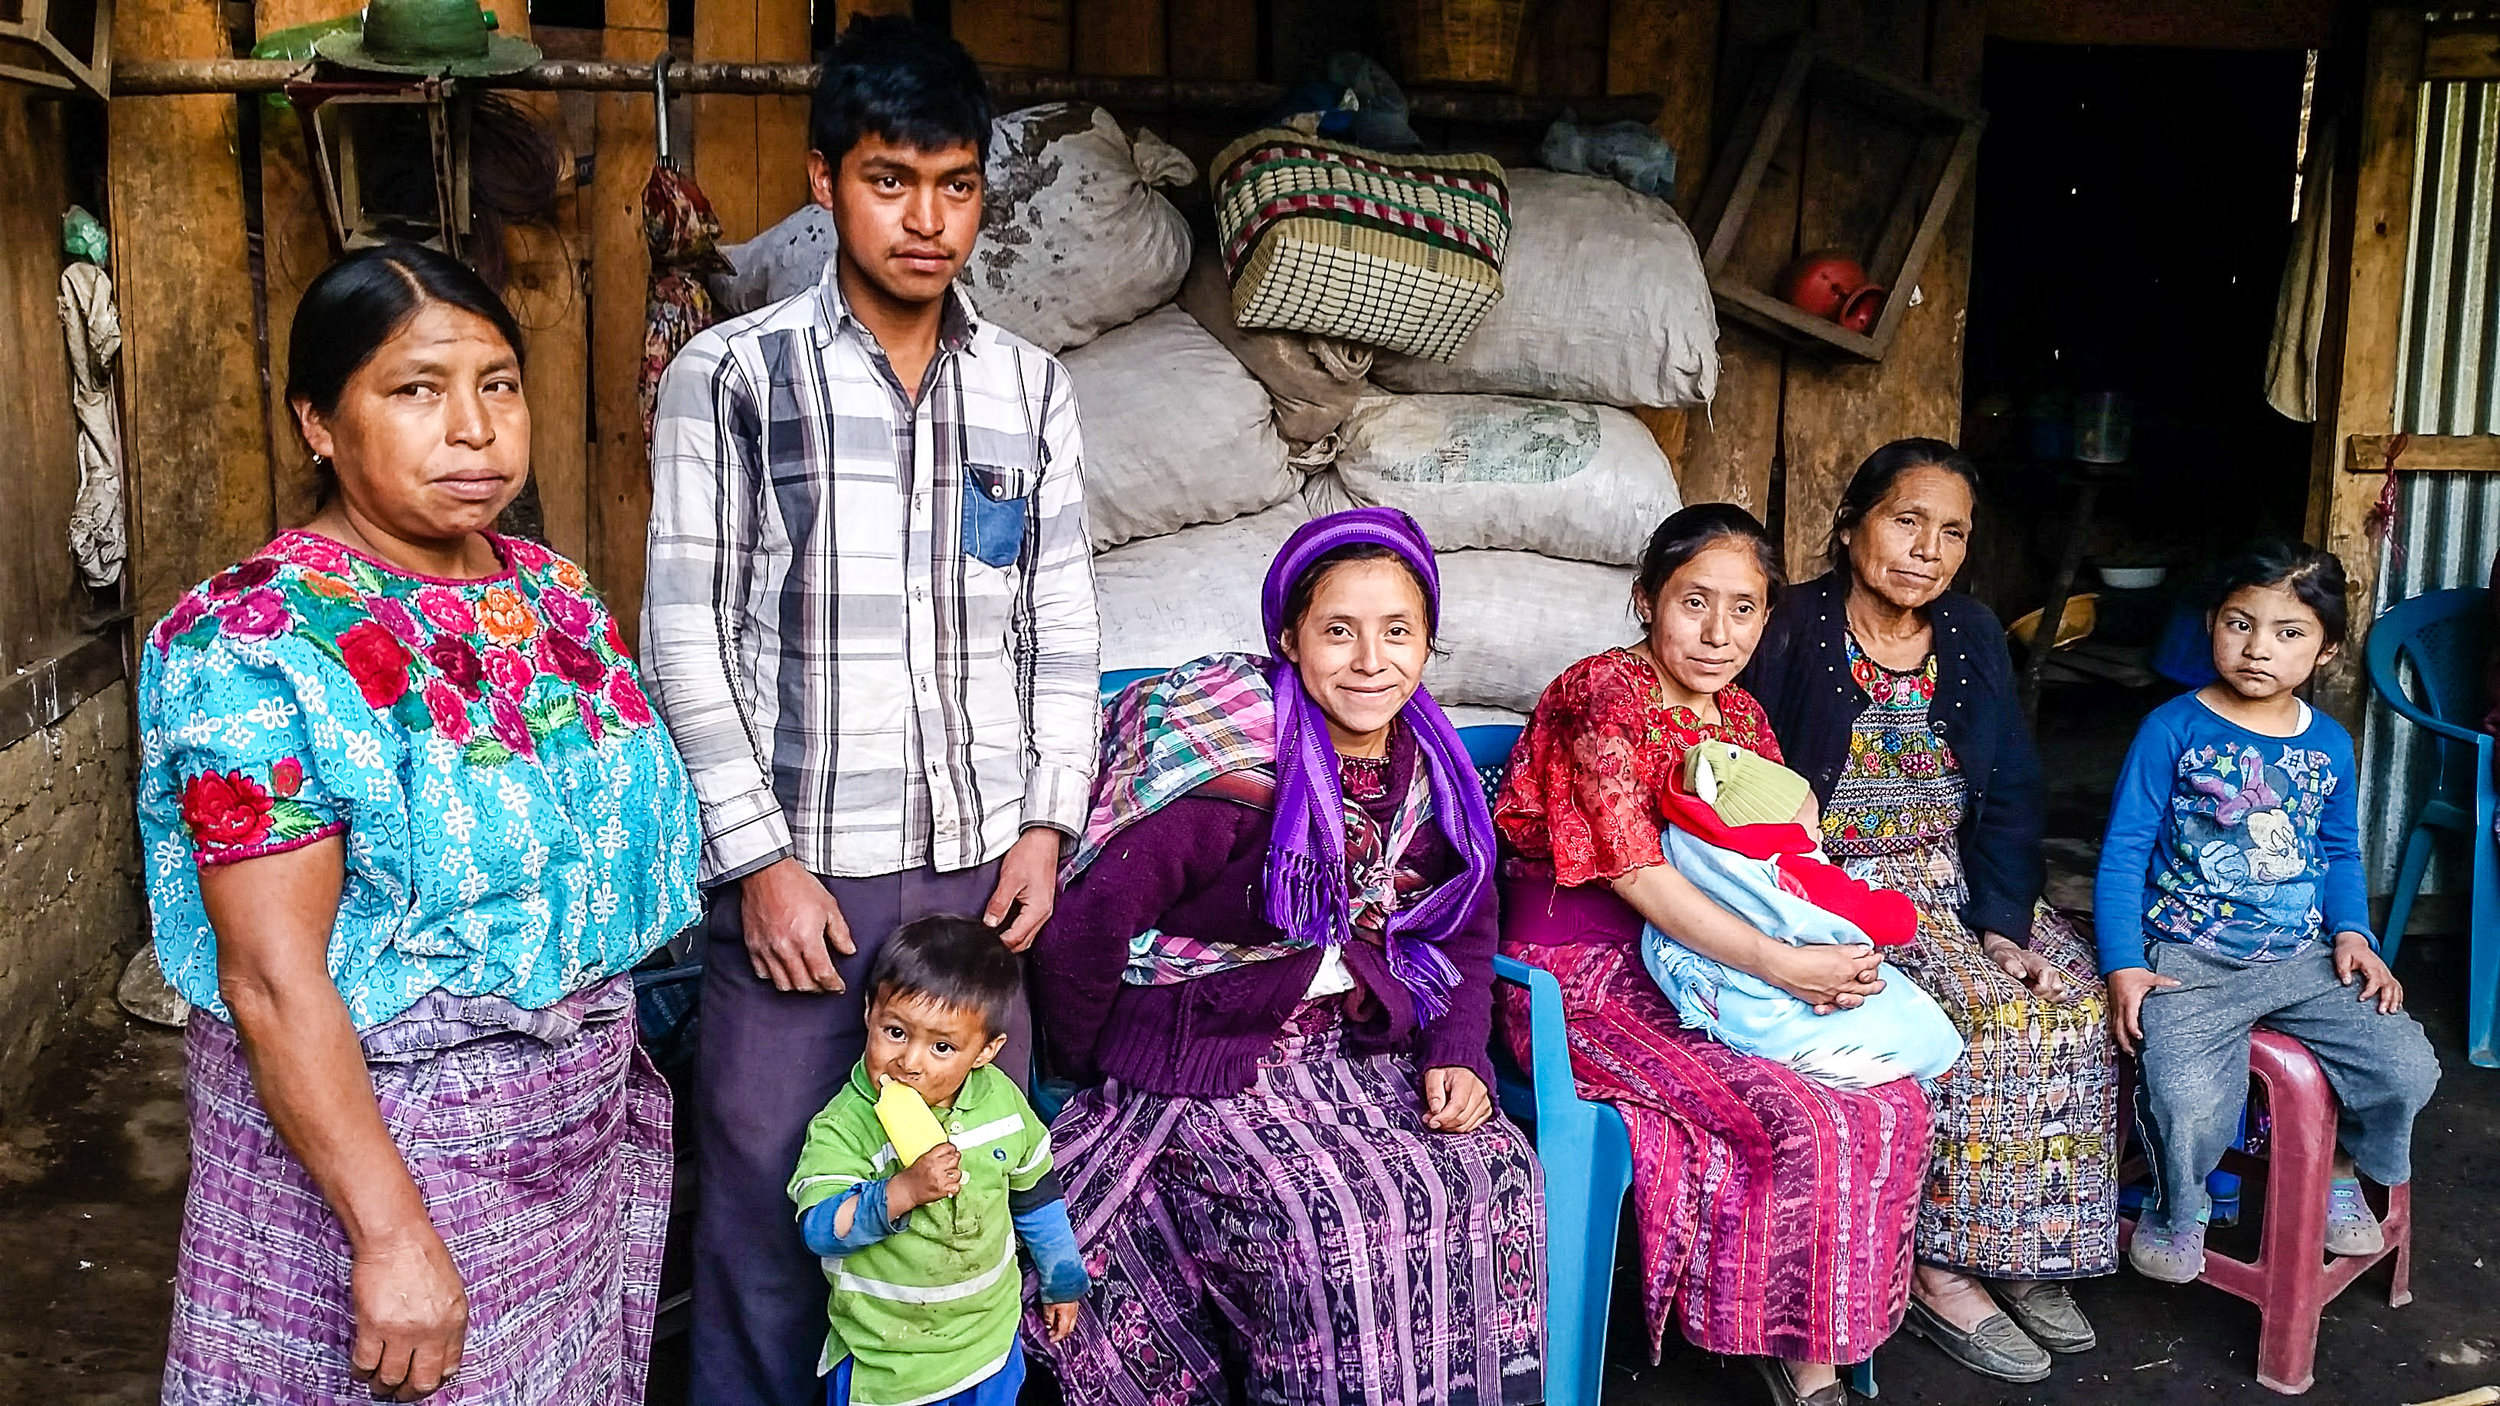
x=1895, y=696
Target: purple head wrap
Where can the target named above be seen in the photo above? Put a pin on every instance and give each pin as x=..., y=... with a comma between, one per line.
x=1306, y=878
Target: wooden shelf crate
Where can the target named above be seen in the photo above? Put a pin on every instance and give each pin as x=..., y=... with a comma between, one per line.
x=1945, y=145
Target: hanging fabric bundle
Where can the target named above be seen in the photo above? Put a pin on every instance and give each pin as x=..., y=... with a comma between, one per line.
x=684, y=239
x=93, y=328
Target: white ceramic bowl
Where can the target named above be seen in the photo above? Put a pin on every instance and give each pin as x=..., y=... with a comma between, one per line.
x=2133, y=578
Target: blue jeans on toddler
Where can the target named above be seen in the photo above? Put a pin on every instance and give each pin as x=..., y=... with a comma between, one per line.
x=2196, y=1065
x=999, y=1388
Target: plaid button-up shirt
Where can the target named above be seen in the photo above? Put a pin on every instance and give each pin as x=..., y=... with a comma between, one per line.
x=869, y=620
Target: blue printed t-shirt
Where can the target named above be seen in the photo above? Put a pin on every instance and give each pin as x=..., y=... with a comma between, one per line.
x=517, y=824
x=2229, y=840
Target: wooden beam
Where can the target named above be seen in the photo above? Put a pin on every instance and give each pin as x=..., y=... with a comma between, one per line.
x=2372, y=296
x=620, y=270
x=1009, y=87
x=42, y=693
x=294, y=249
x=198, y=446
x=2463, y=53
x=2207, y=24
x=2423, y=453
x=1122, y=38
x=546, y=287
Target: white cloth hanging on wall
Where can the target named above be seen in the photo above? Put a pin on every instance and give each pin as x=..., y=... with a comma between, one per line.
x=98, y=535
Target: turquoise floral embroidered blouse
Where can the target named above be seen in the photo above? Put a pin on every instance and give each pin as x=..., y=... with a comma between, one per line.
x=517, y=823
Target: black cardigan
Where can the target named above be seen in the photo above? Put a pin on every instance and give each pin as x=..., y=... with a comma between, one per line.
x=1800, y=673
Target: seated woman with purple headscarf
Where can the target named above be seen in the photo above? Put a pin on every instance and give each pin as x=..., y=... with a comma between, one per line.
x=1275, y=951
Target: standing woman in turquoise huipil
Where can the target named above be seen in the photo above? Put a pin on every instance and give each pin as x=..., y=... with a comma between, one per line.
x=409, y=822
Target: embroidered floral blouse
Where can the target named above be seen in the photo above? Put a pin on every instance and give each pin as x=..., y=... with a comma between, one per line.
x=1902, y=788
x=1589, y=767
x=517, y=824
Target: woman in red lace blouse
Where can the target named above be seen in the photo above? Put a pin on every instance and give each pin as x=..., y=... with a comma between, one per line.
x=1775, y=1212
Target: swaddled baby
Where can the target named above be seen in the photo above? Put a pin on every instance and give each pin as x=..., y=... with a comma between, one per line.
x=1740, y=828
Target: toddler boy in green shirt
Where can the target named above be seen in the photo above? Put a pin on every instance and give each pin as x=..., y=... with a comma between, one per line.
x=926, y=1296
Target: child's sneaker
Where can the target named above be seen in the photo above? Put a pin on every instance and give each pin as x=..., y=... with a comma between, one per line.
x=2350, y=1228
x=2171, y=1256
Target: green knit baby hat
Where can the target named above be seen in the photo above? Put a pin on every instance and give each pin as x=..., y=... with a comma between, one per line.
x=1745, y=788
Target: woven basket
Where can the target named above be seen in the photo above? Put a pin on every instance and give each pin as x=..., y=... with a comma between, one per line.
x=1456, y=41
x=1402, y=252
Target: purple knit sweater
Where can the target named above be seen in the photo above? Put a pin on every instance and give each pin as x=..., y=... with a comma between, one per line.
x=1197, y=866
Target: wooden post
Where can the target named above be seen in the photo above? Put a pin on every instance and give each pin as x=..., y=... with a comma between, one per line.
x=198, y=448
x=2372, y=305
x=294, y=248
x=545, y=286
x=620, y=269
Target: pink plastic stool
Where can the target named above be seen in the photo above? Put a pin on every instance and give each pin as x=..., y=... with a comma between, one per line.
x=2292, y=1279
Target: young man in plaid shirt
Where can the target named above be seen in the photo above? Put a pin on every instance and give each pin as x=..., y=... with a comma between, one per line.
x=869, y=622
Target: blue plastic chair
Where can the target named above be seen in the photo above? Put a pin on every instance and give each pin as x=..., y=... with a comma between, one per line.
x=1587, y=1156
x=1113, y=680
x=2444, y=637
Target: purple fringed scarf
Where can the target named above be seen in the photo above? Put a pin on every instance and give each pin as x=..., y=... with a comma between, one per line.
x=1306, y=879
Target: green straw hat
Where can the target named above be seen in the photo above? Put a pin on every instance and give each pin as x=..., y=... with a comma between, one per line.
x=435, y=38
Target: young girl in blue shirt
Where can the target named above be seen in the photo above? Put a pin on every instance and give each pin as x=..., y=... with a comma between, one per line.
x=2231, y=894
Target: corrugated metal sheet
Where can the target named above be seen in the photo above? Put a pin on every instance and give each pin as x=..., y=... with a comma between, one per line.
x=2448, y=525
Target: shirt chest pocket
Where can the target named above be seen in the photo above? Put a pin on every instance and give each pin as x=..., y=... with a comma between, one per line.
x=998, y=501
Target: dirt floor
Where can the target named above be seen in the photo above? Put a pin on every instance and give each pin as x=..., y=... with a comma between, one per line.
x=91, y=1198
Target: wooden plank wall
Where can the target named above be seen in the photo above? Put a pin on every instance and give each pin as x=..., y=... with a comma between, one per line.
x=40, y=599
x=2364, y=319
x=295, y=246
x=198, y=446
x=1784, y=431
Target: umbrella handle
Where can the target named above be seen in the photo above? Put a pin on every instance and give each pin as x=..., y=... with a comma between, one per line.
x=659, y=101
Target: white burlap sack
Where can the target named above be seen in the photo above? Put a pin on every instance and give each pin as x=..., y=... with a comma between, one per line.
x=1074, y=239
x=1314, y=380
x=1565, y=479
x=1510, y=621
x=1603, y=299
x=782, y=262
x=1176, y=432
x=1167, y=600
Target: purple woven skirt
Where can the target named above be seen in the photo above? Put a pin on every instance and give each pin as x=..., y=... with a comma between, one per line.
x=540, y=1140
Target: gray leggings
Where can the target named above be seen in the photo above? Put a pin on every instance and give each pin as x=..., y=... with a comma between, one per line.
x=2196, y=1065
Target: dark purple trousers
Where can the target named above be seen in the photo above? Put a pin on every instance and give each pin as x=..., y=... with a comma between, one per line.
x=766, y=1062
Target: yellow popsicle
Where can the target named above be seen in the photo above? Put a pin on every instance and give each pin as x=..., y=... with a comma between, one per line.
x=909, y=1124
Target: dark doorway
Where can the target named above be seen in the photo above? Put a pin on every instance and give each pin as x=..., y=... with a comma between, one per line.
x=2134, y=212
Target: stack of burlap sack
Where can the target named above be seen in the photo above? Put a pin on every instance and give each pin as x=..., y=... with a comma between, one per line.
x=1206, y=444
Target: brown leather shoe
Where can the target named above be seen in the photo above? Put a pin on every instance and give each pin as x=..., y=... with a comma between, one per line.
x=1784, y=1389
